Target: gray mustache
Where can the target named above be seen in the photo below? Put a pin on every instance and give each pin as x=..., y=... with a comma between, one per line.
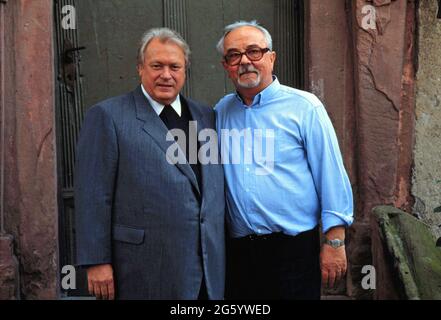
x=247, y=68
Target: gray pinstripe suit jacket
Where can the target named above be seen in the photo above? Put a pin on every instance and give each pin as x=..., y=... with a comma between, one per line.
x=145, y=216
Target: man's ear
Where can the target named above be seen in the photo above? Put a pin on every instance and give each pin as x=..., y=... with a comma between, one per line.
x=224, y=64
x=139, y=69
x=273, y=57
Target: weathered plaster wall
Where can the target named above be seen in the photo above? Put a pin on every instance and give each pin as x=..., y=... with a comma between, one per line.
x=427, y=154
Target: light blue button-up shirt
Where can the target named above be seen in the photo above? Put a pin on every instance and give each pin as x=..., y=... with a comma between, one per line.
x=283, y=166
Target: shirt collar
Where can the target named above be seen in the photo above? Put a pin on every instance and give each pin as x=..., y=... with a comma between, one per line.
x=159, y=107
x=264, y=95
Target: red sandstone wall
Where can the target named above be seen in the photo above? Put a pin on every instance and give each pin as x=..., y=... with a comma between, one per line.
x=366, y=79
x=30, y=180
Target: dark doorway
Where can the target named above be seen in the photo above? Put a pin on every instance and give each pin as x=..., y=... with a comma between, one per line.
x=97, y=60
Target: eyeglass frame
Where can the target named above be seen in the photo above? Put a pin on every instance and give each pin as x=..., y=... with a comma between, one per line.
x=262, y=51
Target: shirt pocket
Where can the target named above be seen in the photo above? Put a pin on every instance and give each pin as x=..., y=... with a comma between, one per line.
x=288, y=148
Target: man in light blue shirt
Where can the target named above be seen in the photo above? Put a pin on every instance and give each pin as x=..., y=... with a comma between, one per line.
x=284, y=173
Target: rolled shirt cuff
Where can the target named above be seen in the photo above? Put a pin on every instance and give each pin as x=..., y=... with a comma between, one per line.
x=332, y=219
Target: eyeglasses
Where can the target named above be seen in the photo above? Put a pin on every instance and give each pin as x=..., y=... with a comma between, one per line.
x=233, y=58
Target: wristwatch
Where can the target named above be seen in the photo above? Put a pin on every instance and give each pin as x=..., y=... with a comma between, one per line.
x=335, y=243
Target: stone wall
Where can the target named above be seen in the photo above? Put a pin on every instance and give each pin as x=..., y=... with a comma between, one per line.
x=426, y=186
x=31, y=214
x=9, y=276
x=365, y=75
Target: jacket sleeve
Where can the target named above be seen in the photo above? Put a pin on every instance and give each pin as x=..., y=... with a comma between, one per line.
x=95, y=171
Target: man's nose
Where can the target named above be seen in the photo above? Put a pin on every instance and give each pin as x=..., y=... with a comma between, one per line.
x=166, y=73
x=244, y=59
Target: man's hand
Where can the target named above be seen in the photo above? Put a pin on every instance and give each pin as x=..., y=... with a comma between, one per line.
x=333, y=261
x=100, y=281
x=333, y=264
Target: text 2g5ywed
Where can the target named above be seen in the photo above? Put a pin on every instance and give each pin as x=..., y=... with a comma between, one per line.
x=232, y=309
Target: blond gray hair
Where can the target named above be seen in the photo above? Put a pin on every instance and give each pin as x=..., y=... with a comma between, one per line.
x=164, y=35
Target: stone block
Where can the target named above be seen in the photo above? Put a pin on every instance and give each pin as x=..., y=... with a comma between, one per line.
x=408, y=262
x=8, y=269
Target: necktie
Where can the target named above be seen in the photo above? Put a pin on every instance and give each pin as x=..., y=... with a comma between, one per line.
x=173, y=121
x=169, y=116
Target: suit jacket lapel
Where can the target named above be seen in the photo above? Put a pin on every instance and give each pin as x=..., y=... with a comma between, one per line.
x=154, y=127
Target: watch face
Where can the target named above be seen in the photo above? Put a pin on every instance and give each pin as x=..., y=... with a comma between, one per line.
x=335, y=243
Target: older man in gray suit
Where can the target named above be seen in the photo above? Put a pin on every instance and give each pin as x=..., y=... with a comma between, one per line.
x=148, y=228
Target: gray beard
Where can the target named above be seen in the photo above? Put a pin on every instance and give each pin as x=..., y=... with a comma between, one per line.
x=249, y=84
